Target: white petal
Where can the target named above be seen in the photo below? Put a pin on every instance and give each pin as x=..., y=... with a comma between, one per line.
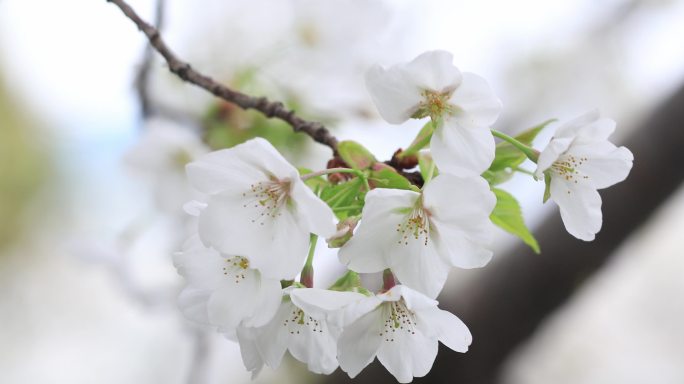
x=460, y=201
x=249, y=352
x=462, y=150
x=572, y=127
x=555, y=148
x=353, y=311
x=315, y=215
x=595, y=131
x=317, y=347
x=580, y=207
x=475, y=102
x=461, y=229
x=420, y=267
x=375, y=237
x=276, y=246
x=446, y=327
x=322, y=302
x=359, y=342
x=202, y=267
x=434, y=71
x=605, y=164
x=415, y=300
x=396, y=99
x=408, y=355
x=271, y=339
x=233, y=301
x=464, y=248
x=267, y=303
x=285, y=250
x=238, y=167
x=194, y=207
x=193, y=303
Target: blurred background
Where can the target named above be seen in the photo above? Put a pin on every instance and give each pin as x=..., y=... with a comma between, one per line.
x=94, y=133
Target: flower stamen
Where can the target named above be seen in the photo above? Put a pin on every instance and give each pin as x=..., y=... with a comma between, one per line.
x=236, y=267
x=267, y=197
x=398, y=318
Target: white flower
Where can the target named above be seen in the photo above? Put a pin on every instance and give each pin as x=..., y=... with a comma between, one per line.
x=223, y=290
x=160, y=155
x=258, y=207
x=419, y=236
x=580, y=160
x=305, y=332
x=462, y=105
x=401, y=327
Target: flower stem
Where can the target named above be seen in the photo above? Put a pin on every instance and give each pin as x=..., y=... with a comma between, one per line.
x=531, y=153
x=388, y=280
x=523, y=170
x=331, y=170
x=307, y=272
x=328, y=171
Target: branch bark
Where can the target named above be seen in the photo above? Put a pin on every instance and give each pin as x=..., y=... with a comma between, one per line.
x=182, y=69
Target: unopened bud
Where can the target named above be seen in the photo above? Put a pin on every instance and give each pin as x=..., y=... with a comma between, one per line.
x=404, y=162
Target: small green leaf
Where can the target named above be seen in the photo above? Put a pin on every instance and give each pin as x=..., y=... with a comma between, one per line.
x=349, y=282
x=355, y=155
x=497, y=177
x=386, y=177
x=345, y=199
x=421, y=140
x=547, y=186
x=425, y=163
x=508, y=216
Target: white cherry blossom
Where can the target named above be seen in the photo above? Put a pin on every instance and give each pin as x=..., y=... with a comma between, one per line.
x=224, y=291
x=421, y=235
x=258, y=207
x=462, y=106
x=304, y=331
x=160, y=156
x=580, y=160
x=401, y=327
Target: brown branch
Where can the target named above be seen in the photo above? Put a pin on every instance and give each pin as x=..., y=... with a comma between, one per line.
x=183, y=70
x=143, y=75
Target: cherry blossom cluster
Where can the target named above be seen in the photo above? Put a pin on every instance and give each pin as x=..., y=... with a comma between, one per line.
x=259, y=219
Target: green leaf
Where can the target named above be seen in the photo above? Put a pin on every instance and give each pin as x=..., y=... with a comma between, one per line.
x=497, y=177
x=349, y=282
x=345, y=199
x=425, y=163
x=421, y=140
x=547, y=186
x=355, y=155
x=387, y=177
x=508, y=216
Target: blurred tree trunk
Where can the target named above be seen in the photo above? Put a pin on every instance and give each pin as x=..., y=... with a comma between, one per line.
x=513, y=295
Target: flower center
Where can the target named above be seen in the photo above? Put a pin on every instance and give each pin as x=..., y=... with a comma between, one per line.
x=298, y=321
x=267, y=197
x=415, y=226
x=398, y=318
x=235, y=268
x=434, y=104
x=567, y=167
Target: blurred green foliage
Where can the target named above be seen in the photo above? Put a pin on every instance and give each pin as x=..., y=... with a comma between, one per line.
x=23, y=167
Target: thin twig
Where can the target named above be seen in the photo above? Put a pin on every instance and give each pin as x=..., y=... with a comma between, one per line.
x=143, y=75
x=183, y=70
